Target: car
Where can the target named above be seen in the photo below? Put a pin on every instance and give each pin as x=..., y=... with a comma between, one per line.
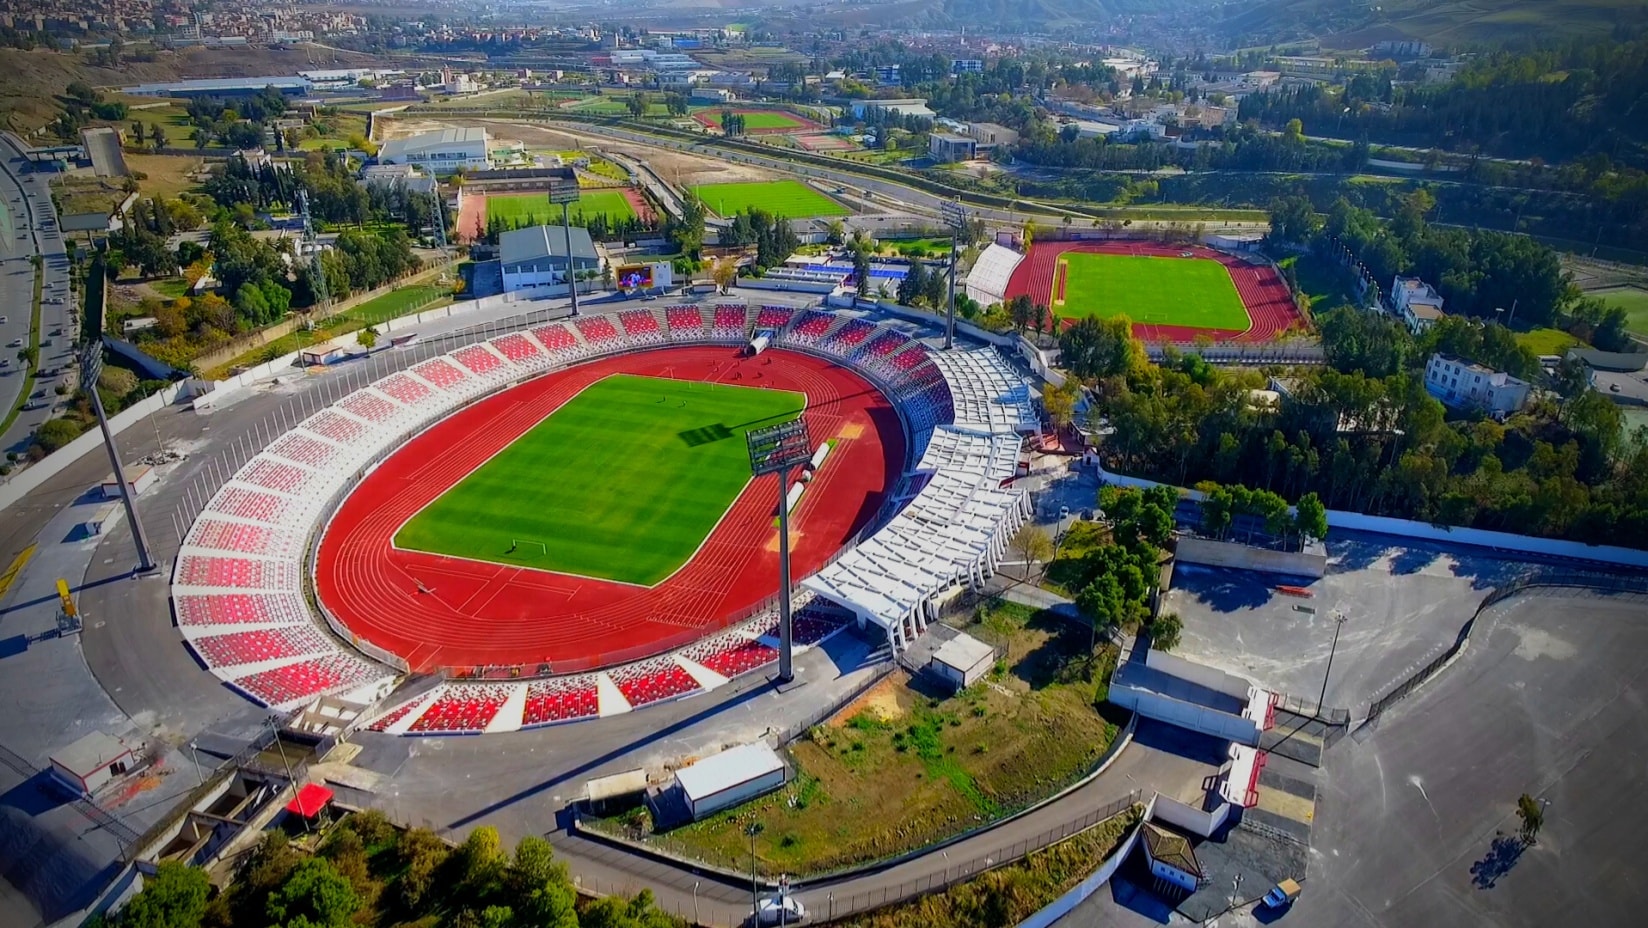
x=2, y=320
x=1064, y=513
x=1282, y=893
x=15, y=343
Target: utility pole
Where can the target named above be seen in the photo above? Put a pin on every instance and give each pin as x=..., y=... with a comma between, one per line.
x=1338, y=623
x=777, y=449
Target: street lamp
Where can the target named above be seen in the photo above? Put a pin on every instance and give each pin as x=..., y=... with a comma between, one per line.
x=775, y=450
x=753, y=829
x=91, y=366
x=565, y=192
x=956, y=218
x=1338, y=623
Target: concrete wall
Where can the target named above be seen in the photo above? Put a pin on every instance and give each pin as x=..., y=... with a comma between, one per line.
x=1186, y=818
x=1079, y=893
x=1230, y=554
x=1187, y=715
x=1200, y=674
x=31, y=477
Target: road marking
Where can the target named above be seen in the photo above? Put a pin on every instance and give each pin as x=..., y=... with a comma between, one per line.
x=16, y=568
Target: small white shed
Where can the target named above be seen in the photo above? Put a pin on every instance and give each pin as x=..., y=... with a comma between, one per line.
x=963, y=660
x=138, y=479
x=730, y=777
x=94, y=760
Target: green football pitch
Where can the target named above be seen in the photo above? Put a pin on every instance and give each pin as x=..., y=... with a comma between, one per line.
x=519, y=207
x=790, y=199
x=752, y=119
x=623, y=482
x=1190, y=292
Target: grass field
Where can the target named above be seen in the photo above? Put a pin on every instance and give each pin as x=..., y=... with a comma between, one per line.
x=1633, y=300
x=1191, y=292
x=790, y=199
x=518, y=207
x=623, y=482
x=752, y=119
x=165, y=175
x=1546, y=341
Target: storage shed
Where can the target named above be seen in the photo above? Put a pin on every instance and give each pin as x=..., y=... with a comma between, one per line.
x=729, y=778
x=962, y=661
x=86, y=765
x=138, y=479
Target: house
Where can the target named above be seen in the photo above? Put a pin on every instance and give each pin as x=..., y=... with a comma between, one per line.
x=1461, y=384
x=404, y=175
x=966, y=66
x=991, y=136
x=1172, y=859
x=537, y=256
x=1416, y=303
x=946, y=147
x=443, y=151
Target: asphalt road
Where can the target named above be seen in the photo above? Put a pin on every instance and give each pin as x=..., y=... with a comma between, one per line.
x=28, y=226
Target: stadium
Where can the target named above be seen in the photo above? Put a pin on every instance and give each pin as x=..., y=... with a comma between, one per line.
x=558, y=524
x=1172, y=293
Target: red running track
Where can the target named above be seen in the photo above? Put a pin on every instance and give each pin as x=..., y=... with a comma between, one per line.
x=1266, y=296
x=481, y=614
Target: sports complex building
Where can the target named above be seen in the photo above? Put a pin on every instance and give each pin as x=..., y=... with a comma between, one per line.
x=560, y=524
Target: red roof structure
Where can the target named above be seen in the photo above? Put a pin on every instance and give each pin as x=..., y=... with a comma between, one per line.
x=310, y=800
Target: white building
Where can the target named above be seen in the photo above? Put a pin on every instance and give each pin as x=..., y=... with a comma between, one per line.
x=729, y=778
x=537, y=256
x=443, y=151
x=92, y=761
x=1416, y=303
x=963, y=661
x=1460, y=384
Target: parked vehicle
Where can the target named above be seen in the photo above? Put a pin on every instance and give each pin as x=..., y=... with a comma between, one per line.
x=1282, y=894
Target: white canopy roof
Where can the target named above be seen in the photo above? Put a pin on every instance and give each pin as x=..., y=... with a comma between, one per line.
x=989, y=395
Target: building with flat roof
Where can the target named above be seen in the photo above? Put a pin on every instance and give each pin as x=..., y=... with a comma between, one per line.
x=731, y=777
x=536, y=257
x=222, y=87
x=947, y=146
x=443, y=151
x=1461, y=384
x=963, y=661
x=989, y=135
x=1417, y=303
x=89, y=763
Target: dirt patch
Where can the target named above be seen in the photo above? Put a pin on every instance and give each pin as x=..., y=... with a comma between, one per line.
x=881, y=699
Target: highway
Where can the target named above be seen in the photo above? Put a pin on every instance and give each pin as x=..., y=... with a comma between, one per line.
x=28, y=226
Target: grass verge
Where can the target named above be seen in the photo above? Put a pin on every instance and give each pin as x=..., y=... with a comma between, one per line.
x=402, y=301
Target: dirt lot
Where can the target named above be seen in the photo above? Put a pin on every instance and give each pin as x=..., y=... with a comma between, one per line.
x=680, y=169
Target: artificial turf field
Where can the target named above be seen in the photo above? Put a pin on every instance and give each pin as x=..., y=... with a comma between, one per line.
x=623, y=482
x=1192, y=292
x=753, y=119
x=518, y=207
x=790, y=199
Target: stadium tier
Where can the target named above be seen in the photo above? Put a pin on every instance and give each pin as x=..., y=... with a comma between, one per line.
x=598, y=330
x=405, y=389
x=478, y=359
x=773, y=317
x=271, y=474
x=516, y=347
x=328, y=424
x=731, y=323
x=440, y=373
x=687, y=320
x=368, y=405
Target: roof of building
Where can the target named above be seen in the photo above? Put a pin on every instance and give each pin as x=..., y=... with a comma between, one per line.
x=1171, y=848
x=91, y=753
x=220, y=84
x=519, y=246
x=310, y=800
x=1418, y=290
x=963, y=652
x=1623, y=362
x=952, y=138
x=727, y=769
x=412, y=145
x=1498, y=378
x=625, y=783
x=1423, y=310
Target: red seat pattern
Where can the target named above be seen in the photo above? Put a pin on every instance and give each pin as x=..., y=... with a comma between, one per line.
x=273, y=475
x=368, y=406
x=463, y=707
x=597, y=329
x=239, y=608
x=773, y=317
x=910, y=358
x=438, y=372
x=814, y=324
x=810, y=626
x=308, y=678
x=232, y=536
x=405, y=389
x=266, y=644
x=653, y=681
x=557, y=338
x=731, y=654
x=397, y=713
x=248, y=504
x=886, y=343
x=560, y=700
x=303, y=449
x=639, y=322
x=478, y=359
x=853, y=333
x=730, y=321
x=518, y=348
x=679, y=318
x=329, y=424
x=196, y=570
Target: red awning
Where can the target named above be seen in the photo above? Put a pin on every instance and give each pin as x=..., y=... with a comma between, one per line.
x=312, y=798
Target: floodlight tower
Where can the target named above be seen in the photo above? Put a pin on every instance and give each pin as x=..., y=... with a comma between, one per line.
x=323, y=299
x=91, y=366
x=956, y=218
x=777, y=449
x=565, y=192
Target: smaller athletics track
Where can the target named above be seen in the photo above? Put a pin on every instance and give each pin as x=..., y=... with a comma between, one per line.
x=1264, y=294
x=445, y=612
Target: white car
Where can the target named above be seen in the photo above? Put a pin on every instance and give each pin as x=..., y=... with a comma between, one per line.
x=780, y=910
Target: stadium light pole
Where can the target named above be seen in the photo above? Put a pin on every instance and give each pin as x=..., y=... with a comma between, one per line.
x=1338, y=623
x=565, y=192
x=956, y=218
x=777, y=449
x=91, y=366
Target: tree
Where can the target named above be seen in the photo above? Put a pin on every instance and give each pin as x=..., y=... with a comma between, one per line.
x=724, y=272
x=1060, y=402
x=1311, y=517
x=158, y=136
x=1094, y=348
x=315, y=894
x=28, y=355
x=175, y=897
x=1532, y=813
x=1032, y=545
x=1164, y=631
x=861, y=268
x=637, y=107
x=367, y=337
x=1293, y=219
x=55, y=433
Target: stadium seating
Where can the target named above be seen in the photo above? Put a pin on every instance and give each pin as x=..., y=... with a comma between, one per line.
x=653, y=681
x=886, y=344
x=462, y=707
x=560, y=342
x=810, y=625
x=253, y=647
x=249, y=573
x=560, y=699
x=328, y=424
x=441, y=373
x=849, y=336
x=910, y=358
x=304, y=450
x=730, y=654
x=394, y=715
x=248, y=504
x=773, y=317
x=232, y=536
x=519, y=349
x=369, y=406
x=641, y=326
x=404, y=388
x=598, y=331
x=731, y=322
x=271, y=474
x=477, y=359
x=686, y=320
x=240, y=609
x=307, y=679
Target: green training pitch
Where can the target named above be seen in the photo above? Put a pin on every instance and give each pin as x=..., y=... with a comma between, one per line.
x=623, y=482
x=1190, y=292
x=517, y=208
x=1631, y=299
x=790, y=199
x=753, y=119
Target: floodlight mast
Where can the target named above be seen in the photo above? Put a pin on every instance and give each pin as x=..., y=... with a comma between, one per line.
x=565, y=192
x=91, y=367
x=777, y=449
x=956, y=218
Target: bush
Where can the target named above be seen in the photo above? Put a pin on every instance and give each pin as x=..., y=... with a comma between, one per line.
x=54, y=434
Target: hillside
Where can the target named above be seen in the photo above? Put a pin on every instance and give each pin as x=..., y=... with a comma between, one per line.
x=1360, y=23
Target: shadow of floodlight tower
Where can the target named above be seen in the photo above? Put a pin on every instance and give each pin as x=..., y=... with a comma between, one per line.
x=91, y=367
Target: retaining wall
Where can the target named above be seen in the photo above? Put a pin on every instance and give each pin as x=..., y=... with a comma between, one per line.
x=1079, y=893
x=1191, y=550
x=1193, y=820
